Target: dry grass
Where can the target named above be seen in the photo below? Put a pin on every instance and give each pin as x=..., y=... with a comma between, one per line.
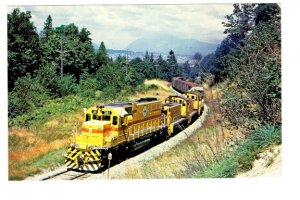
x=161, y=93
x=160, y=83
x=210, y=143
x=195, y=153
x=27, y=145
x=41, y=147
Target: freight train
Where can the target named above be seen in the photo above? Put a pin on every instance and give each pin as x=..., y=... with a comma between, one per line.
x=179, y=84
x=123, y=127
x=183, y=86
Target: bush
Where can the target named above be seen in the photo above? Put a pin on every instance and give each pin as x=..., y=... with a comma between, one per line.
x=67, y=85
x=226, y=168
x=27, y=95
x=50, y=109
x=143, y=88
x=49, y=79
x=243, y=157
x=266, y=136
x=246, y=153
x=87, y=87
x=256, y=70
x=262, y=138
x=109, y=92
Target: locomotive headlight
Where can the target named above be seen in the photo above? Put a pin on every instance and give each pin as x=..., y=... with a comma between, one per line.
x=90, y=130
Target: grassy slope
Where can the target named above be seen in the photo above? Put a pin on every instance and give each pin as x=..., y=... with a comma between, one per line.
x=185, y=160
x=212, y=152
x=41, y=146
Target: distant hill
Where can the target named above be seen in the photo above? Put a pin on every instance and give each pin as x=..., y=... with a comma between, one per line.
x=163, y=44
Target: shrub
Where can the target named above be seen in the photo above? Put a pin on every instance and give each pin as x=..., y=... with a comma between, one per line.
x=243, y=157
x=49, y=79
x=67, y=85
x=246, y=153
x=109, y=92
x=266, y=136
x=50, y=109
x=262, y=138
x=27, y=95
x=226, y=168
x=87, y=87
x=146, y=87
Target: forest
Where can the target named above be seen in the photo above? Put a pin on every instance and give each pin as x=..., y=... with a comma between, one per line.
x=61, y=61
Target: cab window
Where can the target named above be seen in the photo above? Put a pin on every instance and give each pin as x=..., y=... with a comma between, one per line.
x=94, y=116
x=106, y=117
x=115, y=120
x=87, y=117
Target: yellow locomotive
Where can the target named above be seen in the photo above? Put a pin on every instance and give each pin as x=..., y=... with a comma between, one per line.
x=122, y=127
x=114, y=128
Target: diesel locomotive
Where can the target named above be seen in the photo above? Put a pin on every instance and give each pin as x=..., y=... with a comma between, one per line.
x=123, y=127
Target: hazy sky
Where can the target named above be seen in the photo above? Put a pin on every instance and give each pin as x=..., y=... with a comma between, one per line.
x=118, y=25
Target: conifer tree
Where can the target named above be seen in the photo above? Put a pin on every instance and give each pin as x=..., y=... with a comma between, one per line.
x=102, y=57
x=47, y=28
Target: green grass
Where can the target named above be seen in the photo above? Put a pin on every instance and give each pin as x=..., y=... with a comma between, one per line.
x=226, y=168
x=146, y=87
x=28, y=168
x=50, y=109
x=52, y=159
x=243, y=157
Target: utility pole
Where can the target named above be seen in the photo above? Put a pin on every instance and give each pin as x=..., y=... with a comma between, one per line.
x=62, y=54
x=127, y=61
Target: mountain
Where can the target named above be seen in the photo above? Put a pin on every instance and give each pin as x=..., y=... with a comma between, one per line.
x=163, y=44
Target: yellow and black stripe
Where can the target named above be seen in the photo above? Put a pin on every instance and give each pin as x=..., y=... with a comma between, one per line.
x=83, y=159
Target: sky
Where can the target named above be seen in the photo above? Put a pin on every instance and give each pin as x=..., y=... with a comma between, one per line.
x=119, y=25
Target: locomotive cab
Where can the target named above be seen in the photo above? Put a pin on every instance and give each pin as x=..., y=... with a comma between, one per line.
x=186, y=105
x=101, y=127
x=197, y=100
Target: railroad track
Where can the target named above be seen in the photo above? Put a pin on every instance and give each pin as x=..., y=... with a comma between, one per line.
x=68, y=175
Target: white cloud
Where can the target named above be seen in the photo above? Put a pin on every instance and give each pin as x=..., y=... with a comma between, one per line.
x=118, y=25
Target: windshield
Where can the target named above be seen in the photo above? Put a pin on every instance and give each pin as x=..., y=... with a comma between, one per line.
x=106, y=117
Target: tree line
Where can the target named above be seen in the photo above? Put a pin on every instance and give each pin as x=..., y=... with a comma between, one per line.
x=61, y=61
x=249, y=61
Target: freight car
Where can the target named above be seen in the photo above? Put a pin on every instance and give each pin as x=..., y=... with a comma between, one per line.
x=179, y=84
x=122, y=127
